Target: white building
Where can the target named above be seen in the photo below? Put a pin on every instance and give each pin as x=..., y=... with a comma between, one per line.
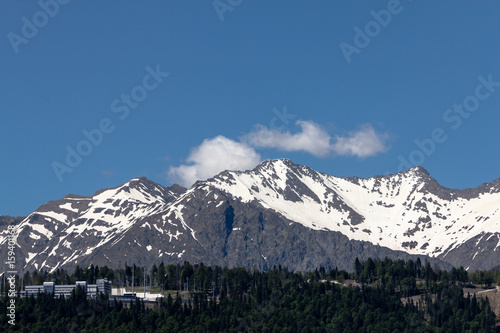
x=92, y=290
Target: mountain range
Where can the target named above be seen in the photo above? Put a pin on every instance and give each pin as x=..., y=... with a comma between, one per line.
x=279, y=213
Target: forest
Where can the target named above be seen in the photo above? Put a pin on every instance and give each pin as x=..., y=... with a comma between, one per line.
x=378, y=296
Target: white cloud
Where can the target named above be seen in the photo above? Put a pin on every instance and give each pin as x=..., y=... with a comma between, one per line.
x=316, y=141
x=213, y=156
x=362, y=143
x=220, y=153
x=312, y=139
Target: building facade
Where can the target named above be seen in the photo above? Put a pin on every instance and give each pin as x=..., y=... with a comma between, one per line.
x=92, y=290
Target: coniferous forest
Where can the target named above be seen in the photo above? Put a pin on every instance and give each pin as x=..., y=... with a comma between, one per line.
x=379, y=296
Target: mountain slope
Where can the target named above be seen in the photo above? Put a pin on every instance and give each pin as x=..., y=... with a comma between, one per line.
x=409, y=211
x=63, y=231
x=279, y=213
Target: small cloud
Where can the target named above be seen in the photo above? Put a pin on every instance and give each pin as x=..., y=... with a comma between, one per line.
x=362, y=143
x=312, y=139
x=164, y=158
x=107, y=173
x=315, y=140
x=211, y=157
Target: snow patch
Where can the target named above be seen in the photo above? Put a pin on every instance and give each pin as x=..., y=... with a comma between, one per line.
x=68, y=206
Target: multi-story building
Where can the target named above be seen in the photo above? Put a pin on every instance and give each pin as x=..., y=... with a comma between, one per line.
x=92, y=290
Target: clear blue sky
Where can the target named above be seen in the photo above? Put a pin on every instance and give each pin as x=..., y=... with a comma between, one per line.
x=229, y=68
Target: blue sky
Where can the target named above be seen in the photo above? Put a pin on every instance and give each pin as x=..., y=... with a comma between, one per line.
x=247, y=81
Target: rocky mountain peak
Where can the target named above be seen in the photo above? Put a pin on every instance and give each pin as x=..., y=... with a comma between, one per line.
x=278, y=213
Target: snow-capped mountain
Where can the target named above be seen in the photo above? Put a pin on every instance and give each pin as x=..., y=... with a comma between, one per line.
x=409, y=211
x=71, y=228
x=278, y=213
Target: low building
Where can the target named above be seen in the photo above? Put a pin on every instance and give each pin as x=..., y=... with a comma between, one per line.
x=92, y=290
x=121, y=294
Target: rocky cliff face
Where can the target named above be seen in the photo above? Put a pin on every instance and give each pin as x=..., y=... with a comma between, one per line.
x=279, y=213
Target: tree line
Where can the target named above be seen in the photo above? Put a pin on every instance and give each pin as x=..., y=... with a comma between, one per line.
x=391, y=273
x=217, y=299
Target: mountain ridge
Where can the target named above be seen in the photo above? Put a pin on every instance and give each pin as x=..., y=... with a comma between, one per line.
x=277, y=213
